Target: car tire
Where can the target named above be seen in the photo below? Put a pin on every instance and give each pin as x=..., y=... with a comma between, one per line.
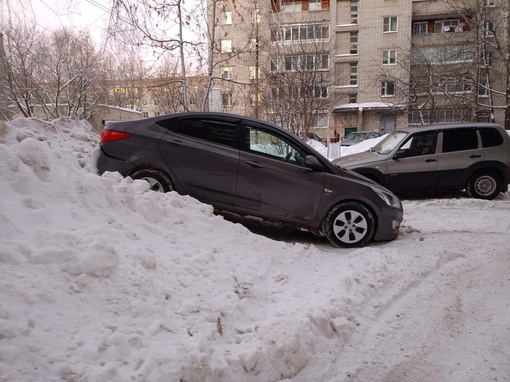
x=158, y=181
x=484, y=185
x=349, y=224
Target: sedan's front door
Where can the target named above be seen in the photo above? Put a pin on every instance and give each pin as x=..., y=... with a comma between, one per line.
x=273, y=178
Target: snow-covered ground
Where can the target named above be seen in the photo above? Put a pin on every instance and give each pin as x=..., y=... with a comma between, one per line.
x=102, y=280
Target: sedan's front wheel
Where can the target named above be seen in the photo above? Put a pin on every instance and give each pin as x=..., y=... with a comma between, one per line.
x=157, y=180
x=349, y=224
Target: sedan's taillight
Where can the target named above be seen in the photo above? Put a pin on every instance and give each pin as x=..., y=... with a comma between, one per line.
x=112, y=135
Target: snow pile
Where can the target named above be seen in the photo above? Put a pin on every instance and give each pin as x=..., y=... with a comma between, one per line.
x=103, y=280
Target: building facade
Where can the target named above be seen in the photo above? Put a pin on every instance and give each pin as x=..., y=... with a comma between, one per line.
x=337, y=66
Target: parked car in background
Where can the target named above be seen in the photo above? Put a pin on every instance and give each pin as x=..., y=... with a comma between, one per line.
x=471, y=156
x=358, y=136
x=250, y=167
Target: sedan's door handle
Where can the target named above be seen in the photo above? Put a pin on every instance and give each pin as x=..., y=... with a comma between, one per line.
x=475, y=156
x=253, y=164
x=430, y=160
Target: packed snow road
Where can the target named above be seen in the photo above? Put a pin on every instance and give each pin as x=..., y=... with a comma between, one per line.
x=438, y=308
x=103, y=280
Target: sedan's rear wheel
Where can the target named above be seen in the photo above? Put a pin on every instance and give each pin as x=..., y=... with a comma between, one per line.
x=484, y=185
x=157, y=180
x=349, y=224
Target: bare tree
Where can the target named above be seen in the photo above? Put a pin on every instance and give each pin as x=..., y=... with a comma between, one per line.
x=70, y=69
x=490, y=29
x=47, y=74
x=298, y=77
x=162, y=26
x=20, y=68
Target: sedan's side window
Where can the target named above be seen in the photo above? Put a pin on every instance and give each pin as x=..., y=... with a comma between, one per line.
x=220, y=132
x=268, y=144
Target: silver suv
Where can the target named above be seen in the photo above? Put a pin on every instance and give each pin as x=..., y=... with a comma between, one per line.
x=471, y=156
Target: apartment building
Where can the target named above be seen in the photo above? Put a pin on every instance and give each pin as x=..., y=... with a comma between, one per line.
x=362, y=64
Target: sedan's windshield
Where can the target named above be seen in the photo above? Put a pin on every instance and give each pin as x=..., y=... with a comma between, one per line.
x=356, y=136
x=390, y=142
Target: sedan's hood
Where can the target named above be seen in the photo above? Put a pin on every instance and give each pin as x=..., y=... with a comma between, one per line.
x=358, y=160
x=349, y=142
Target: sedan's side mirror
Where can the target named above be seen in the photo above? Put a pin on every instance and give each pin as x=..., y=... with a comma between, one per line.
x=312, y=162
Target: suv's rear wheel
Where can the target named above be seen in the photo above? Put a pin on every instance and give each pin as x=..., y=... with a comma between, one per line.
x=484, y=185
x=349, y=224
x=158, y=181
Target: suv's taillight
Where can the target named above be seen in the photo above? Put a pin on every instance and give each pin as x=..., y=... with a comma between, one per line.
x=112, y=135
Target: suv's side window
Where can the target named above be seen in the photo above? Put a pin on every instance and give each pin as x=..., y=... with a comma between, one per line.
x=491, y=137
x=421, y=144
x=269, y=144
x=220, y=132
x=459, y=140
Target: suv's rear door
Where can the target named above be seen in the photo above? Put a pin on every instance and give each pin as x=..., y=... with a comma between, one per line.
x=460, y=150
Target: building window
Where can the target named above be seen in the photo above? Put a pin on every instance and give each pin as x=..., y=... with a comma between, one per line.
x=389, y=57
x=452, y=85
x=145, y=114
x=305, y=62
x=320, y=120
x=254, y=99
x=489, y=3
x=455, y=53
x=354, y=11
x=487, y=58
x=292, y=6
x=420, y=28
x=255, y=16
x=254, y=72
x=226, y=46
x=390, y=24
x=388, y=89
x=483, y=91
x=301, y=33
x=315, y=5
x=354, y=43
x=226, y=73
x=353, y=98
x=447, y=26
x=489, y=29
x=226, y=18
x=226, y=99
x=320, y=91
x=353, y=73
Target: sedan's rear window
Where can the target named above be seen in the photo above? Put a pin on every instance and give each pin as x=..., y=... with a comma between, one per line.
x=220, y=132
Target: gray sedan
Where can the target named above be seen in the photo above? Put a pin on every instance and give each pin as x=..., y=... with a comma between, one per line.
x=250, y=167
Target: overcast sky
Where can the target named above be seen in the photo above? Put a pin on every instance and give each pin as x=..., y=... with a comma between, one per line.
x=52, y=14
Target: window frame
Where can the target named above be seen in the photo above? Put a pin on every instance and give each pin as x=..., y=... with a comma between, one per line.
x=386, y=90
x=226, y=46
x=389, y=57
x=390, y=24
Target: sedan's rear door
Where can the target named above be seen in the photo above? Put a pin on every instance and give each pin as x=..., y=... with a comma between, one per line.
x=201, y=153
x=273, y=178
